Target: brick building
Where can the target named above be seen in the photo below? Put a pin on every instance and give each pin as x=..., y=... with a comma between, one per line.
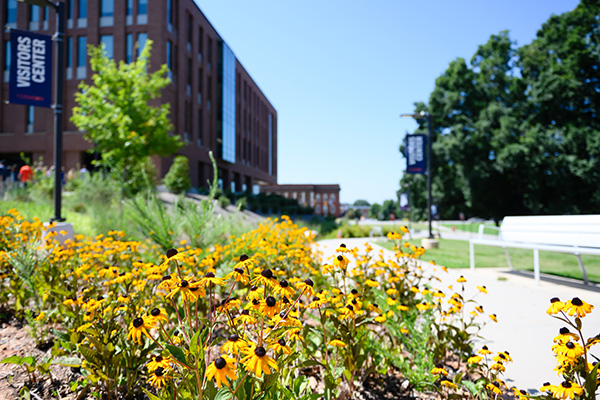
x=215, y=104
x=324, y=199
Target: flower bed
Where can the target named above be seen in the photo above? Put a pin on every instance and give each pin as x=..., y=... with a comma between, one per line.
x=260, y=317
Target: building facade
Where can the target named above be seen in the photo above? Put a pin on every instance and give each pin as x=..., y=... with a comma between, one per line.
x=324, y=199
x=215, y=104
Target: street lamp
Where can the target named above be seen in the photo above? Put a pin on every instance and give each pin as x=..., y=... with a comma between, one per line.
x=423, y=115
x=59, y=8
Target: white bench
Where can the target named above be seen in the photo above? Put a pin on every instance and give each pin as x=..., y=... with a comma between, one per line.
x=573, y=234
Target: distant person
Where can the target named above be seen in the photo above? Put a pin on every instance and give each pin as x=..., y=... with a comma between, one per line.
x=4, y=172
x=84, y=172
x=25, y=175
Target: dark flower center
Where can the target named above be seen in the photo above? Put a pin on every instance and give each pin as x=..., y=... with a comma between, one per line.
x=354, y=301
x=271, y=301
x=283, y=283
x=484, y=347
x=354, y=291
x=577, y=302
x=158, y=358
x=220, y=363
x=349, y=307
x=566, y=384
x=166, y=277
x=260, y=351
x=122, y=273
x=244, y=257
x=343, y=245
x=316, y=298
x=267, y=273
x=563, y=331
x=245, y=312
x=570, y=345
x=239, y=270
x=340, y=258
x=255, y=302
x=286, y=300
x=209, y=275
x=439, y=365
x=138, y=322
x=502, y=356
x=253, y=288
x=184, y=283
x=282, y=342
x=171, y=253
x=176, y=333
x=159, y=371
x=309, y=282
x=233, y=338
x=554, y=300
x=155, y=312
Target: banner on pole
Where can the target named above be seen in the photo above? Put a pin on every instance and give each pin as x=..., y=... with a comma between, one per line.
x=30, y=80
x=416, y=163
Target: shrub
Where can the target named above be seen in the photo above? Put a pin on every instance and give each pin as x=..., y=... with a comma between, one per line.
x=177, y=179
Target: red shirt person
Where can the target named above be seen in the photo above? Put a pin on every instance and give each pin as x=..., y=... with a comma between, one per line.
x=25, y=173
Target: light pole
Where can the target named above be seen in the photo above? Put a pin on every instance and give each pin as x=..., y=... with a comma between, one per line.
x=426, y=115
x=59, y=73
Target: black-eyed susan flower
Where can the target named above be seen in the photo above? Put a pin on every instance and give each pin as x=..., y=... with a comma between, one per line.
x=520, y=394
x=567, y=390
x=245, y=262
x=564, y=335
x=245, y=318
x=258, y=362
x=448, y=383
x=461, y=279
x=336, y=343
x=498, y=366
x=556, y=306
x=270, y=307
x=281, y=346
x=502, y=357
x=266, y=278
x=306, y=287
x=234, y=345
x=439, y=370
x=493, y=317
x=211, y=280
x=221, y=369
x=255, y=293
x=140, y=326
x=547, y=387
x=371, y=283
x=402, y=307
x=347, y=312
x=340, y=261
x=189, y=290
x=578, y=307
x=159, y=362
x=482, y=289
x=283, y=288
x=158, y=315
x=342, y=249
x=494, y=387
x=404, y=229
x=569, y=350
x=474, y=359
x=158, y=377
x=239, y=275
x=484, y=350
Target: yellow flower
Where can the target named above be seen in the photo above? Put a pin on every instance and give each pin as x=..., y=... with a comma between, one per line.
x=159, y=361
x=448, y=383
x=482, y=289
x=281, y=346
x=283, y=288
x=498, y=366
x=342, y=249
x=258, y=361
x=556, y=306
x=306, y=287
x=221, y=369
x=484, y=350
x=210, y=279
x=371, y=283
x=239, y=275
x=566, y=390
x=494, y=387
x=493, y=317
x=234, y=345
x=461, y=279
x=140, y=326
x=579, y=307
x=340, y=261
x=439, y=370
x=337, y=343
x=474, y=359
x=158, y=377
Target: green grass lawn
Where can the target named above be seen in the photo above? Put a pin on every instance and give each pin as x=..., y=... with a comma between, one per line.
x=455, y=254
x=473, y=227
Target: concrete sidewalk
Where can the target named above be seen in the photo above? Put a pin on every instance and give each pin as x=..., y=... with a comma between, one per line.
x=523, y=329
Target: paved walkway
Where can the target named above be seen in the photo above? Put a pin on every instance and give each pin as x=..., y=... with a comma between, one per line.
x=523, y=329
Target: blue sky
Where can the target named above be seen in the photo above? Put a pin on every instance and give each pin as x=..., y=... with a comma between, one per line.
x=340, y=72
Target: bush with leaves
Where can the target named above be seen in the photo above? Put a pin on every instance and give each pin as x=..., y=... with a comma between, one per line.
x=177, y=180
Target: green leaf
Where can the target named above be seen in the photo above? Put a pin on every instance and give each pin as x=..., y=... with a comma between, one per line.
x=18, y=360
x=150, y=395
x=74, y=362
x=224, y=394
x=194, y=342
x=177, y=353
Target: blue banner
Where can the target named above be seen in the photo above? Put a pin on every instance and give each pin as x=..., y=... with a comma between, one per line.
x=30, y=81
x=416, y=161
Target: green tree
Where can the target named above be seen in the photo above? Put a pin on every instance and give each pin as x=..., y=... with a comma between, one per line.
x=516, y=129
x=116, y=115
x=361, y=202
x=177, y=180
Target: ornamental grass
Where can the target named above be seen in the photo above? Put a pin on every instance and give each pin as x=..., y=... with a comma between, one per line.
x=260, y=317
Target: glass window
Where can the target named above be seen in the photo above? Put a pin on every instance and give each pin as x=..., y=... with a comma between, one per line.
x=200, y=79
x=6, y=60
x=200, y=128
x=70, y=9
x=170, y=13
x=142, y=7
x=325, y=197
x=227, y=128
x=108, y=42
x=11, y=12
x=199, y=44
x=129, y=6
x=107, y=8
x=69, y=52
x=325, y=209
x=129, y=48
x=30, y=118
x=190, y=31
x=271, y=144
x=318, y=197
x=82, y=12
x=141, y=42
x=81, y=50
x=35, y=14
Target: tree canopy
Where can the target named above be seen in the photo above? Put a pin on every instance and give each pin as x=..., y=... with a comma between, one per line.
x=116, y=115
x=516, y=129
